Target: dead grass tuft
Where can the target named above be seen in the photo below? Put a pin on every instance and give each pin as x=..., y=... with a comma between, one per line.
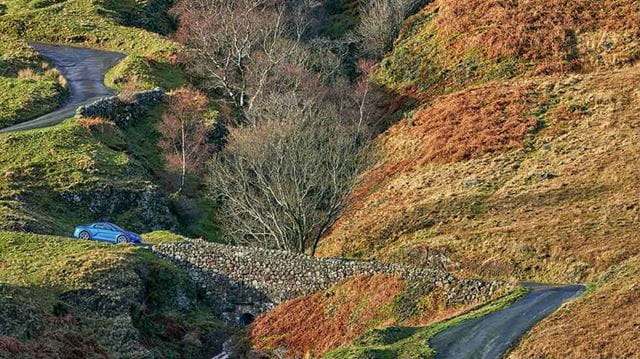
x=28, y=74
x=12, y=345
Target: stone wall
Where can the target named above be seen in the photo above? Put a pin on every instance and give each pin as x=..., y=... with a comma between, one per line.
x=252, y=280
x=121, y=112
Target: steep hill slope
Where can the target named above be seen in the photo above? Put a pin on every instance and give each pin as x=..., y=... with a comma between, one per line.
x=76, y=172
x=559, y=206
x=314, y=325
x=66, y=298
x=520, y=160
x=500, y=175
x=29, y=86
x=607, y=317
x=54, y=178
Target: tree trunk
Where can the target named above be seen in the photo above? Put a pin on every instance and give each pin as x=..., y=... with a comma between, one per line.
x=184, y=158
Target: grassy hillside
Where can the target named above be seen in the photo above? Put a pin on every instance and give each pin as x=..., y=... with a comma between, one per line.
x=124, y=25
x=454, y=44
x=413, y=342
x=29, y=87
x=339, y=316
x=67, y=298
x=609, y=310
x=79, y=171
x=558, y=205
x=55, y=178
x=527, y=178
x=519, y=161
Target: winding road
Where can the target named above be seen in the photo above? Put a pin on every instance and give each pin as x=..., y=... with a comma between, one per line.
x=84, y=69
x=491, y=336
x=487, y=337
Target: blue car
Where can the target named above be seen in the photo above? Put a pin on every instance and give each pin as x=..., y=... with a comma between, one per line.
x=106, y=232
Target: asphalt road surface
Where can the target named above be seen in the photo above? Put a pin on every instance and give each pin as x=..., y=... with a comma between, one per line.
x=491, y=336
x=84, y=70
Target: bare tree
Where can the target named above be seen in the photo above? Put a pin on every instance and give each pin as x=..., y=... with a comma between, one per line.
x=381, y=22
x=235, y=46
x=184, y=133
x=283, y=182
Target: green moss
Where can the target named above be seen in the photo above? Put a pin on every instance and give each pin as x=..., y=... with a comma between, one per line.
x=412, y=342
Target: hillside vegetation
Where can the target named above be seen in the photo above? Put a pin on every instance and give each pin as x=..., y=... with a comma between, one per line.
x=607, y=311
x=341, y=316
x=67, y=298
x=127, y=26
x=529, y=178
x=29, y=86
x=519, y=160
x=453, y=44
x=54, y=178
x=80, y=171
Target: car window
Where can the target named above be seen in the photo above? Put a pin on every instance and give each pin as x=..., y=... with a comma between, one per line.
x=101, y=226
x=117, y=228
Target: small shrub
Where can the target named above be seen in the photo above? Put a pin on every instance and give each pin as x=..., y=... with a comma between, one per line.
x=28, y=74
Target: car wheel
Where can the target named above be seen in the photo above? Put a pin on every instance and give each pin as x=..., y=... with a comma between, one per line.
x=84, y=235
x=122, y=239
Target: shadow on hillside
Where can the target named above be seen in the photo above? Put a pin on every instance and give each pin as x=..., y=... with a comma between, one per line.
x=235, y=301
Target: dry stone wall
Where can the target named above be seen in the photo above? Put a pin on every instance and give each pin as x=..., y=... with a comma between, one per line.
x=122, y=112
x=252, y=280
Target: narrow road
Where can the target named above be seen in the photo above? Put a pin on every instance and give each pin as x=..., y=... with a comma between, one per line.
x=84, y=69
x=491, y=336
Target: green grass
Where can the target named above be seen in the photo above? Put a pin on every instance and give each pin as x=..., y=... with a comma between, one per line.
x=22, y=100
x=16, y=55
x=120, y=25
x=412, y=342
x=158, y=237
x=47, y=277
x=420, y=60
x=57, y=263
x=28, y=88
x=45, y=169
